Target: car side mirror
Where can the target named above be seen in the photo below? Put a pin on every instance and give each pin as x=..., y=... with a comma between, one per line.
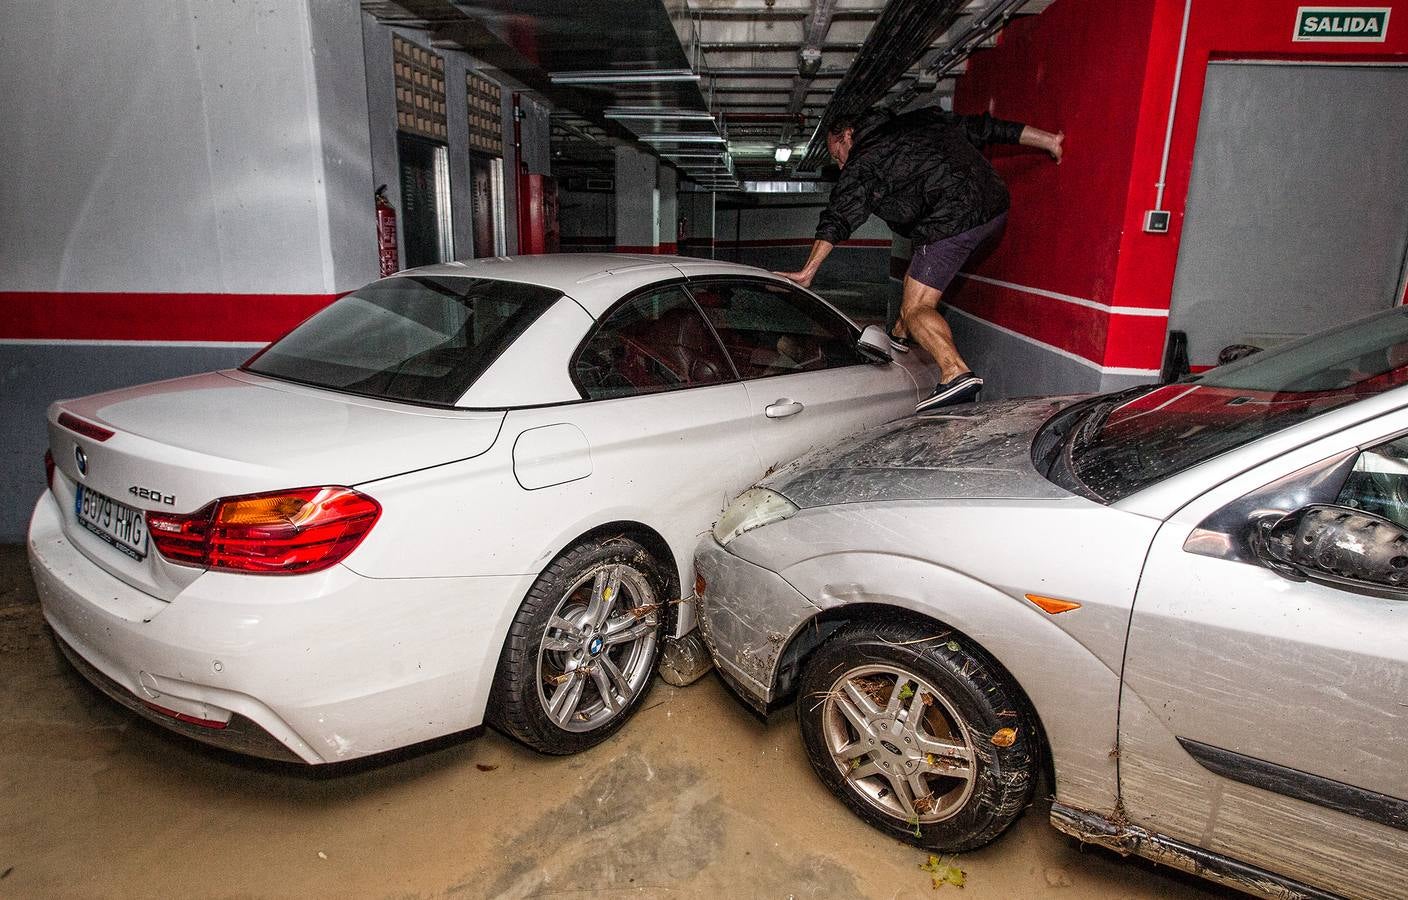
x=1338, y=546
x=874, y=344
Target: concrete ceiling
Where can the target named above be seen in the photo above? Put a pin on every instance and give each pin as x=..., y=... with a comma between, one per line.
x=682, y=77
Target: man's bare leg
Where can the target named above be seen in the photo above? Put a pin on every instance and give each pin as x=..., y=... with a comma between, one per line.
x=919, y=311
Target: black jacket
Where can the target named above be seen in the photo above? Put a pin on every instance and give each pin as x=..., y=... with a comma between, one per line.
x=922, y=173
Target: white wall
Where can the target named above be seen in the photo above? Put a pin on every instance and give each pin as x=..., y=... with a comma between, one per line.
x=587, y=219
x=794, y=220
x=697, y=208
x=176, y=148
x=210, y=147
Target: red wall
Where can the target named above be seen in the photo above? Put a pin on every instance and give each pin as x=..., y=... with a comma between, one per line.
x=1078, y=68
x=1102, y=71
x=1217, y=29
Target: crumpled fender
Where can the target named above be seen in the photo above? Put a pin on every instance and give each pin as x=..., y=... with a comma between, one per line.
x=1075, y=695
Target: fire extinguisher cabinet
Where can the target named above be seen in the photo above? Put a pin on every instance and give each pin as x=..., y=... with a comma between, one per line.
x=537, y=214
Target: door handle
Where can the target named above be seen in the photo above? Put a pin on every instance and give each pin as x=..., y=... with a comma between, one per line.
x=781, y=408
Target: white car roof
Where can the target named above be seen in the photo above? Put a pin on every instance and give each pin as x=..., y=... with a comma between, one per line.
x=583, y=276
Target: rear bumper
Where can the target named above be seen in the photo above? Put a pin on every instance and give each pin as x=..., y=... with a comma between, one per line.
x=329, y=666
x=747, y=615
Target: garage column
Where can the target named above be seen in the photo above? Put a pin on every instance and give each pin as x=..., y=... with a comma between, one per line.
x=637, y=202
x=669, y=222
x=697, y=215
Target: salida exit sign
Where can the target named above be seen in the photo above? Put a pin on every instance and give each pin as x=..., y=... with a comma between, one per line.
x=1341, y=23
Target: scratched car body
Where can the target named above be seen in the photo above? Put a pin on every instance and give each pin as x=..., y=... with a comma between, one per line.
x=1182, y=604
x=468, y=489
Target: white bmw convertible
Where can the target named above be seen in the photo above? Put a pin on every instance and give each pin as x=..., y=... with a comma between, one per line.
x=464, y=492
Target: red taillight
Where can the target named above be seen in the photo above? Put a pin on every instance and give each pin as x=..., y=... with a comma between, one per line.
x=87, y=429
x=49, y=468
x=279, y=533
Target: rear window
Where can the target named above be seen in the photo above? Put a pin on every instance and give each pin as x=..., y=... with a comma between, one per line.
x=421, y=339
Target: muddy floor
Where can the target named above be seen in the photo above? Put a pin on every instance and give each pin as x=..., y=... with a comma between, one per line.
x=695, y=798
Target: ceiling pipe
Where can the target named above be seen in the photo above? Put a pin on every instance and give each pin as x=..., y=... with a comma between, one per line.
x=900, y=37
x=991, y=21
x=623, y=77
x=762, y=118
x=814, y=31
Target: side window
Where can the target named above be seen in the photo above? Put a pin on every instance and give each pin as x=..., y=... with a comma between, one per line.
x=654, y=342
x=771, y=329
x=1378, y=483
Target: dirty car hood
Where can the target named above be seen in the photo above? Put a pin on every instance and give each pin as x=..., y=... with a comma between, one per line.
x=972, y=452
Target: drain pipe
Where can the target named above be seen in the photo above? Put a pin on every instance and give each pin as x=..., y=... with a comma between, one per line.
x=1156, y=219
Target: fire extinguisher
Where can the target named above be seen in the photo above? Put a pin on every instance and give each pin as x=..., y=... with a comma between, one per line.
x=389, y=258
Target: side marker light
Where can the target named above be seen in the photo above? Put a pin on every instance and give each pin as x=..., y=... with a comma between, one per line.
x=1052, y=605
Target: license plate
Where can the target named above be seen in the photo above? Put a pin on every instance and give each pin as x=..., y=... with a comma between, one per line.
x=117, y=523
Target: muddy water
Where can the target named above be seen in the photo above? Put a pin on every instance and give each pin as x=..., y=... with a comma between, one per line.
x=696, y=798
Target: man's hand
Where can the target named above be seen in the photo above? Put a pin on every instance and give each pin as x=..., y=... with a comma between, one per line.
x=1044, y=140
x=802, y=278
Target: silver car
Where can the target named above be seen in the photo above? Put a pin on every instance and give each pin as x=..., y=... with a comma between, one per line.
x=1181, y=605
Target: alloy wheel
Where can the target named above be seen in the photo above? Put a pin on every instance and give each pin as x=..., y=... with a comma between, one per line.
x=899, y=743
x=598, y=650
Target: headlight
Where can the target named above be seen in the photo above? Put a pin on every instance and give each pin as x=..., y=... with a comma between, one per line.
x=751, y=509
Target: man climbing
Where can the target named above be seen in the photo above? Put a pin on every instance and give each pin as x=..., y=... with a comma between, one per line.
x=922, y=173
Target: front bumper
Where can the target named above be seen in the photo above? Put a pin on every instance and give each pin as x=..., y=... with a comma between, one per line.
x=748, y=615
x=329, y=666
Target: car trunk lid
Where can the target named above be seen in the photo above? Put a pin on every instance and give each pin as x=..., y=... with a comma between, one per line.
x=176, y=445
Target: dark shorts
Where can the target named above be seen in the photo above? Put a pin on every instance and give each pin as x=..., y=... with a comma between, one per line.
x=934, y=264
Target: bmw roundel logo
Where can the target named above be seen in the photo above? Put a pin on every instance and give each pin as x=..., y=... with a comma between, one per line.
x=82, y=459
x=595, y=646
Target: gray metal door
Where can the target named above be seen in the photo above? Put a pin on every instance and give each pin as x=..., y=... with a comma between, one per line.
x=1297, y=215
x=425, y=197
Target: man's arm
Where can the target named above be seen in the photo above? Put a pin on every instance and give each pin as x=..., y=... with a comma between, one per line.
x=820, y=249
x=848, y=209
x=1042, y=140
x=988, y=129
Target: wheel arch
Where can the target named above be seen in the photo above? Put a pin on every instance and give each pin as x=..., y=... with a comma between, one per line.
x=1068, y=667
x=653, y=542
x=814, y=632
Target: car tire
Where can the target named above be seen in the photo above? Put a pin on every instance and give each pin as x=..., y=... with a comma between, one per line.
x=889, y=710
x=592, y=625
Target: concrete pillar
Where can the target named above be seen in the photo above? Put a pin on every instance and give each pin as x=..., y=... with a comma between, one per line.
x=637, y=202
x=697, y=207
x=669, y=223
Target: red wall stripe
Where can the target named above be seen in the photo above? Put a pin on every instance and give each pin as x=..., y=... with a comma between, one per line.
x=110, y=316
x=1076, y=329
x=804, y=242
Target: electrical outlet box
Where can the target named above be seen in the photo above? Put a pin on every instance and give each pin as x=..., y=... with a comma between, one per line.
x=1156, y=221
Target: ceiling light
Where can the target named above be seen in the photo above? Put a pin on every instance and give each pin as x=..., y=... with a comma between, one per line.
x=783, y=154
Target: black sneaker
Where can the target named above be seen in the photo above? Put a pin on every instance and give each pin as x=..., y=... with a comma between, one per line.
x=901, y=344
x=961, y=389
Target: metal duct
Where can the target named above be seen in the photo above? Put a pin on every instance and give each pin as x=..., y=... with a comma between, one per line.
x=981, y=29
x=901, y=36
